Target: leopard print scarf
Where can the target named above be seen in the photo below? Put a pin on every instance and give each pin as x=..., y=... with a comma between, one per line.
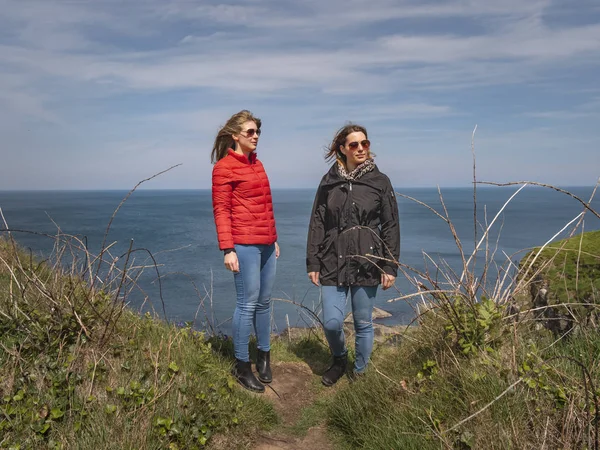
x=358, y=172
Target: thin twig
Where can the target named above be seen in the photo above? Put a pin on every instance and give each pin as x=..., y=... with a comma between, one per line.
x=474, y=191
x=506, y=391
x=119, y=207
x=533, y=183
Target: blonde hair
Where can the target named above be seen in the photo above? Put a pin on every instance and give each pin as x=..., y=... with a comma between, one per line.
x=224, y=140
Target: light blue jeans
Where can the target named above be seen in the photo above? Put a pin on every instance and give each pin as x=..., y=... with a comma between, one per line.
x=253, y=284
x=334, y=307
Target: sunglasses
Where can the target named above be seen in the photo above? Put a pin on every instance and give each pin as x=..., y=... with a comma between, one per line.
x=251, y=132
x=366, y=144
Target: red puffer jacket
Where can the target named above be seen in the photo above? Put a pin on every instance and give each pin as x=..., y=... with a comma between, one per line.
x=242, y=202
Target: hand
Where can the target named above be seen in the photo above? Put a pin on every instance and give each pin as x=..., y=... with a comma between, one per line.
x=277, y=252
x=314, y=277
x=387, y=281
x=231, y=262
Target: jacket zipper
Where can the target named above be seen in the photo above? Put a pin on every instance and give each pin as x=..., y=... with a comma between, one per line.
x=348, y=222
x=264, y=193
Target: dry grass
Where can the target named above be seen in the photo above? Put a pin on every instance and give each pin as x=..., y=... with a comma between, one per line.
x=78, y=369
x=479, y=373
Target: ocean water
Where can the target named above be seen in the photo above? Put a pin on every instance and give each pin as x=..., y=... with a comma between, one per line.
x=177, y=227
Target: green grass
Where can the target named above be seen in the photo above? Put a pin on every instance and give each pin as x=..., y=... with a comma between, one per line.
x=573, y=275
x=152, y=385
x=416, y=404
x=147, y=385
x=416, y=393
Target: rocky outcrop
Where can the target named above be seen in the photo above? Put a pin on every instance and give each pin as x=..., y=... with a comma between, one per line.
x=383, y=333
x=377, y=314
x=555, y=317
x=564, y=282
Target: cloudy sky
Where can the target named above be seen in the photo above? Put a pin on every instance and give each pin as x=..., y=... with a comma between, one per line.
x=101, y=94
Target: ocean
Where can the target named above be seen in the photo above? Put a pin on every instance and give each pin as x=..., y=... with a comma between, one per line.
x=177, y=227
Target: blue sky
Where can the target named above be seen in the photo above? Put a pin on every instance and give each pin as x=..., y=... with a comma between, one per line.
x=99, y=95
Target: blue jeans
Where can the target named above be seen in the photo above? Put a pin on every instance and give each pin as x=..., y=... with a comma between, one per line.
x=334, y=307
x=253, y=284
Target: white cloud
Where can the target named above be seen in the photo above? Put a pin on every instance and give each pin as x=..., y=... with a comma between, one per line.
x=115, y=79
x=336, y=14
x=237, y=60
x=558, y=115
x=588, y=109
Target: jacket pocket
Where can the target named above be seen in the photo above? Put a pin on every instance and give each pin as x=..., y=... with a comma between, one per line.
x=325, y=246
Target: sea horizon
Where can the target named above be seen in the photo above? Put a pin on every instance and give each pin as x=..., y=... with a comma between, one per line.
x=178, y=227
x=141, y=188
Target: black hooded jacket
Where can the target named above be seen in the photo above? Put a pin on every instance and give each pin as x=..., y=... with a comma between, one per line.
x=351, y=220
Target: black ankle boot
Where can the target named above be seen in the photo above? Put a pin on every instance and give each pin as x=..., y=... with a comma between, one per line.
x=263, y=366
x=243, y=374
x=336, y=371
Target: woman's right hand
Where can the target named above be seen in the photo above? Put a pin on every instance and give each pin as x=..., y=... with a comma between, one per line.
x=231, y=262
x=314, y=277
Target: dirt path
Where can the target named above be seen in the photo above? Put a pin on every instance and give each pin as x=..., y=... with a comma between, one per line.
x=290, y=392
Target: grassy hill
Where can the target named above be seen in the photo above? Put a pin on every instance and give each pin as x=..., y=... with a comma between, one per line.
x=472, y=376
x=571, y=267
x=79, y=370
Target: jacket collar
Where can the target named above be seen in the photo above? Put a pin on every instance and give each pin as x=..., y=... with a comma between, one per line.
x=250, y=160
x=333, y=176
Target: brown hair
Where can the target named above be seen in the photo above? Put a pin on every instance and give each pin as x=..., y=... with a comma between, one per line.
x=224, y=140
x=333, y=151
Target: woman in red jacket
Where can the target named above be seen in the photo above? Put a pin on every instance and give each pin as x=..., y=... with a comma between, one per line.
x=243, y=210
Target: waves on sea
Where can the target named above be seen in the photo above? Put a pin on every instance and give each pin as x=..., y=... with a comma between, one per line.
x=177, y=227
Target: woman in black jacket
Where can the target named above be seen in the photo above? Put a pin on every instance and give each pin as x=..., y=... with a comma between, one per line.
x=353, y=244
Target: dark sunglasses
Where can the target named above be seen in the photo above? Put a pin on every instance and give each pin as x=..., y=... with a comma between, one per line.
x=251, y=131
x=366, y=144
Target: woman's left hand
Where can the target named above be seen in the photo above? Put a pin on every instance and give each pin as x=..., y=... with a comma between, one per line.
x=387, y=281
x=276, y=250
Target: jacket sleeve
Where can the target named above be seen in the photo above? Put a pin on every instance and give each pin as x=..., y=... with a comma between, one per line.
x=390, y=230
x=222, y=191
x=316, y=231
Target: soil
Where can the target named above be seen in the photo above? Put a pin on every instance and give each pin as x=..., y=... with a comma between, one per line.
x=290, y=392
